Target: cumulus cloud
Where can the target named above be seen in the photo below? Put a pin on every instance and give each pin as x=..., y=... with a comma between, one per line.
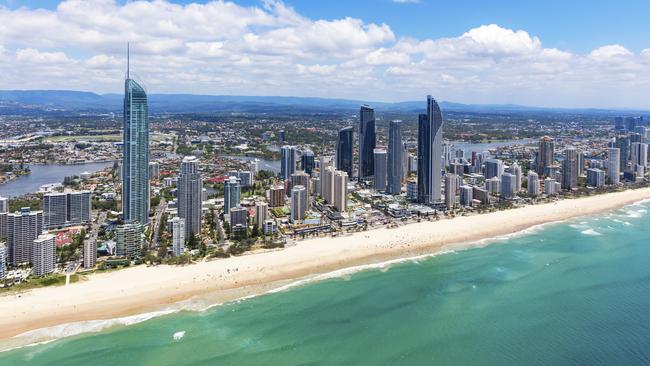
x=220, y=47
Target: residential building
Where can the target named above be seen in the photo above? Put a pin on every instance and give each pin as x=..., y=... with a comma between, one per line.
x=299, y=203
x=66, y=208
x=232, y=194
x=595, y=178
x=570, y=169
x=287, y=162
x=545, y=155
x=451, y=186
x=613, y=165
x=178, y=235
x=381, y=166
x=22, y=228
x=533, y=184
x=190, y=197
x=128, y=239
x=44, y=254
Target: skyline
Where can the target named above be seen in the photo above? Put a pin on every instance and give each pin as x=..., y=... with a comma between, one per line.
x=283, y=49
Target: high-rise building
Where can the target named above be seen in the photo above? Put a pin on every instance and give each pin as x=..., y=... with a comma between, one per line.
x=466, y=195
x=344, y=150
x=451, y=186
x=595, y=178
x=570, y=169
x=367, y=141
x=22, y=228
x=630, y=123
x=307, y=161
x=340, y=199
x=515, y=170
x=430, y=153
x=298, y=203
x=44, y=254
x=493, y=185
x=4, y=205
x=232, y=194
x=3, y=260
x=508, y=185
x=190, y=197
x=381, y=167
x=581, y=164
x=396, y=157
x=276, y=196
x=238, y=219
x=619, y=125
x=639, y=154
x=90, y=253
x=135, y=163
x=613, y=165
x=533, y=184
x=551, y=186
x=154, y=170
x=327, y=184
x=493, y=168
x=545, y=155
x=412, y=189
x=299, y=178
x=623, y=143
x=261, y=213
x=128, y=239
x=55, y=210
x=178, y=235
x=66, y=208
x=288, y=161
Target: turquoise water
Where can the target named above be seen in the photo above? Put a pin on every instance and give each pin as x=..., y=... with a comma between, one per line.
x=576, y=293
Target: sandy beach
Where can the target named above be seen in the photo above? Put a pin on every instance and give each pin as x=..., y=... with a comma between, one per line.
x=143, y=289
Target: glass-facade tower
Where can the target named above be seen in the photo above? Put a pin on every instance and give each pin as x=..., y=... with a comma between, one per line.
x=367, y=142
x=344, y=148
x=135, y=165
x=430, y=153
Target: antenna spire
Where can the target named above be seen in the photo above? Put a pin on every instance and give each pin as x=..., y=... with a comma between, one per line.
x=128, y=59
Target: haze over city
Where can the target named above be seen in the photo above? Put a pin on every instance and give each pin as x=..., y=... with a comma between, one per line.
x=371, y=182
x=540, y=54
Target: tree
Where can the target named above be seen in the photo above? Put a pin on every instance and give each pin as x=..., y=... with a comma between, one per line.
x=192, y=242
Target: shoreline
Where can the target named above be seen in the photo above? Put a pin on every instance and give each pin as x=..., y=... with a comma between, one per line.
x=142, y=290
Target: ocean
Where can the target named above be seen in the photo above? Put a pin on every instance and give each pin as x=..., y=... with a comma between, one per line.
x=571, y=293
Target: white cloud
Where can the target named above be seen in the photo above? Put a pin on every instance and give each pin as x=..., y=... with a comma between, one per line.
x=223, y=48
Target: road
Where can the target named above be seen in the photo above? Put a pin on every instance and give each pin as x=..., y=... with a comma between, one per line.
x=155, y=221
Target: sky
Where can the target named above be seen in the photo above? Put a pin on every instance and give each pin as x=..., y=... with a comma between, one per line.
x=543, y=53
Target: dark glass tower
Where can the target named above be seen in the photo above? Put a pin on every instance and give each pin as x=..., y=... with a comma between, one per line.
x=307, y=161
x=396, y=154
x=430, y=153
x=344, y=146
x=367, y=141
x=135, y=164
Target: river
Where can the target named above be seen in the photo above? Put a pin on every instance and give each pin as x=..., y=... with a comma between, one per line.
x=46, y=174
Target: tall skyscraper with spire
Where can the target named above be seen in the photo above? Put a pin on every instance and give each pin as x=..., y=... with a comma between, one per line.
x=135, y=164
x=367, y=142
x=430, y=153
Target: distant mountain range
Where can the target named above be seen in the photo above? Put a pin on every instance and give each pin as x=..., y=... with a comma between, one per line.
x=67, y=101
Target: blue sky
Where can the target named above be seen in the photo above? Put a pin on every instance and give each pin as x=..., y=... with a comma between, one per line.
x=574, y=25
x=551, y=53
